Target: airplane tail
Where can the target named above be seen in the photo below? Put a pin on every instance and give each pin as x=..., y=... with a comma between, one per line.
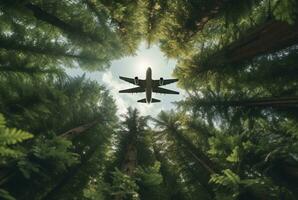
x=152, y=101
x=142, y=101
x=155, y=100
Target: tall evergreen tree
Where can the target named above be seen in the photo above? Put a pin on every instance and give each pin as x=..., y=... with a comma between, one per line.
x=234, y=136
x=58, y=149
x=136, y=172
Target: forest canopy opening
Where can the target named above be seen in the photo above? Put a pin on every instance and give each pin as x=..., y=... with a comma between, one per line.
x=132, y=66
x=66, y=133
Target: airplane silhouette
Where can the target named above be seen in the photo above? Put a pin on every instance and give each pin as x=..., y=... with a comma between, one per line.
x=148, y=86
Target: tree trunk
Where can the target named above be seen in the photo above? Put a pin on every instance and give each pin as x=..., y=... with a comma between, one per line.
x=267, y=38
x=20, y=69
x=273, y=102
x=130, y=160
x=10, y=44
x=205, y=15
x=198, y=155
x=129, y=164
x=78, y=130
x=42, y=15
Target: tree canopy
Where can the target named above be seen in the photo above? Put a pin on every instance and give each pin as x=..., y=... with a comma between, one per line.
x=233, y=137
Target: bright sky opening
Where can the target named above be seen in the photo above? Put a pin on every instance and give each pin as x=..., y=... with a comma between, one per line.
x=131, y=67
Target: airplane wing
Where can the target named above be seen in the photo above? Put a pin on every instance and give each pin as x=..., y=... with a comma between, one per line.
x=133, y=90
x=157, y=83
x=133, y=81
x=164, y=91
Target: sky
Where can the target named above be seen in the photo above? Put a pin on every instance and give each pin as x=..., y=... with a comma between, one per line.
x=131, y=67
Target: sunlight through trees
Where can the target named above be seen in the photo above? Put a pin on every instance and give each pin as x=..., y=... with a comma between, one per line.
x=233, y=137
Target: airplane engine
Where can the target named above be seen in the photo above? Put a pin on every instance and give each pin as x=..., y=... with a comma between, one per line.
x=136, y=80
x=161, y=81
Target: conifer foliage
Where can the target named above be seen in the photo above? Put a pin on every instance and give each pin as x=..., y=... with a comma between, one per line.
x=233, y=137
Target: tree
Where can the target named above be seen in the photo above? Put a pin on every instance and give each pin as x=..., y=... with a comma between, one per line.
x=234, y=135
x=136, y=172
x=10, y=137
x=72, y=33
x=170, y=125
x=64, y=104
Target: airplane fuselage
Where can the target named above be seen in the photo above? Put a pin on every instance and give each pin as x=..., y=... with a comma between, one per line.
x=148, y=87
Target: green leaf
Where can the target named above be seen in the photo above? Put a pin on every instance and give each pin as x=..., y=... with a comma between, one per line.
x=234, y=178
x=5, y=195
x=286, y=11
x=234, y=157
x=10, y=136
x=2, y=121
x=150, y=176
x=8, y=152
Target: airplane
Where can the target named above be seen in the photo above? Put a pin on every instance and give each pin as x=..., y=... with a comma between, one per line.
x=148, y=86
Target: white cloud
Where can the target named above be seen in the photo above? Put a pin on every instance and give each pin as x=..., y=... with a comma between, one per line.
x=136, y=66
x=115, y=86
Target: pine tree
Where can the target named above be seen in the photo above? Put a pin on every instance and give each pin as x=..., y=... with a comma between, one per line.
x=61, y=31
x=129, y=156
x=234, y=135
x=64, y=104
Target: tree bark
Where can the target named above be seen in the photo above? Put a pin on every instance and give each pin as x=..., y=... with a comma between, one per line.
x=130, y=160
x=42, y=15
x=9, y=44
x=196, y=153
x=78, y=130
x=274, y=102
x=129, y=164
x=20, y=69
x=205, y=15
x=267, y=38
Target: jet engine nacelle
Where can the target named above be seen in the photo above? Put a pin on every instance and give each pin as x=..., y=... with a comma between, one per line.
x=136, y=80
x=161, y=81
